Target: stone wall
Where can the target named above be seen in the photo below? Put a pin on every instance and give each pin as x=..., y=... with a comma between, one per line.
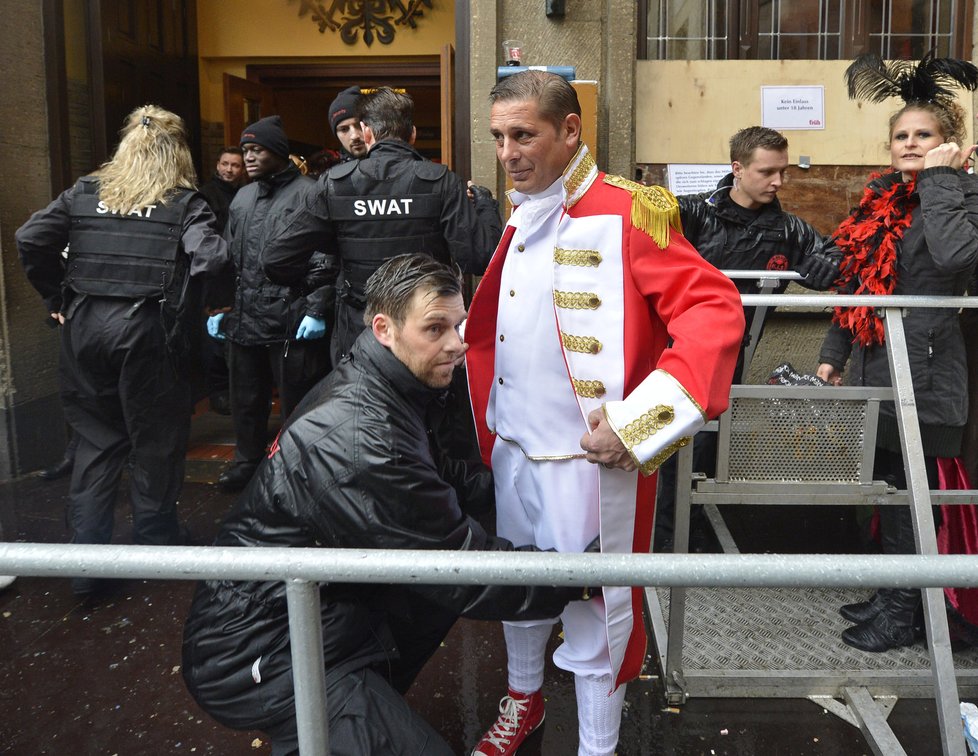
x=30, y=414
x=598, y=38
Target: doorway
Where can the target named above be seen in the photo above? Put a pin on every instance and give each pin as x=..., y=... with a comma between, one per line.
x=301, y=94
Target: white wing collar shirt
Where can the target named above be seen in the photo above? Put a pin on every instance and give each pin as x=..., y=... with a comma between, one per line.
x=531, y=382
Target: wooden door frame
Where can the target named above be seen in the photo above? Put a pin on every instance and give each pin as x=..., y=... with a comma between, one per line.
x=399, y=72
x=395, y=71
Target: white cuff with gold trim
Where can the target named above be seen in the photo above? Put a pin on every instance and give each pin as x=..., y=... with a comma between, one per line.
x=655, y=420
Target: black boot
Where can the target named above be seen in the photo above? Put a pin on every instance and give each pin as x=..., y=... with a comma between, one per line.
x=59, y=470
x=237, y=476
x=892, y=627
x=864, y=610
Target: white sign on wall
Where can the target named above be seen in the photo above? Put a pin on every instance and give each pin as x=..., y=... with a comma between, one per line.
x=695, y=178
x=793, y=107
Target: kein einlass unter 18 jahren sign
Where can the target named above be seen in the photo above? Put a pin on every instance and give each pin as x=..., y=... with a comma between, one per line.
x=793, y=107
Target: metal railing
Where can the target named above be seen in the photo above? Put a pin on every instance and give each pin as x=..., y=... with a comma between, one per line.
x=302, y=569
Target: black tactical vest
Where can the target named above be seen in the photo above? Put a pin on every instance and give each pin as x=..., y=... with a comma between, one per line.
x=134, y=256
x=376, y=219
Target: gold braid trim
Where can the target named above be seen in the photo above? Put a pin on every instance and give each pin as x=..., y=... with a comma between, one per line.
x=647, y=425
x=653, y=464
x=580, y=177
x=577, y=300
x=581, y=344
x=655, y=210
x=688, y=395
x=584, y=258
x=588, y=389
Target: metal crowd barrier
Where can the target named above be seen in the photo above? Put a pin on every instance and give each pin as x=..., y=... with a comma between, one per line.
x=302, y=569
x=763, y=484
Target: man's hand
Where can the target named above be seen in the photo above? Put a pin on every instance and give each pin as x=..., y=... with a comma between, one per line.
x=214, y=326
x=311, y=328
x=477, y=192
x=820, y=269
x=59, y=317
x=603, y=446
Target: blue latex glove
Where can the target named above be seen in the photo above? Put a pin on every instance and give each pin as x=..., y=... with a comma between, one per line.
x=214, y=326
x=311, y=328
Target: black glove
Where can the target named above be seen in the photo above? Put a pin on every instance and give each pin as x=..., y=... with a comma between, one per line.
x=820, y=269
x=480, y=193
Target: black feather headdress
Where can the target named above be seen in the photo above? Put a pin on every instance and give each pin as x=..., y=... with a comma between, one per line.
x=931, y=79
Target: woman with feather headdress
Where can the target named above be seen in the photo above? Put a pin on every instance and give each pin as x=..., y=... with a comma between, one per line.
x=915, y=231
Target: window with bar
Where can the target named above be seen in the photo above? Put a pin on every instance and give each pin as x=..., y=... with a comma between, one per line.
x=803, y=29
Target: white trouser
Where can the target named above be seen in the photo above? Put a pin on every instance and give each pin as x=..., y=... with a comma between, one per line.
x=554, y=505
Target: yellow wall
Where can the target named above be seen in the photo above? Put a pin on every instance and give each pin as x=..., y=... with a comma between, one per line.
x=76, y=61
x=234, y=34
x=685, y=111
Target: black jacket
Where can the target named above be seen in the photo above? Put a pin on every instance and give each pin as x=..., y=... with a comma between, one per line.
x=356, y=467
x=43, y=238
x=264, y=312
x=774, y=240
x=471, y=229
x=219, y=195
x=937, y=256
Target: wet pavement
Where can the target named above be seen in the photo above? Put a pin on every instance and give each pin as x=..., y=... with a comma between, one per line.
x=105, y=678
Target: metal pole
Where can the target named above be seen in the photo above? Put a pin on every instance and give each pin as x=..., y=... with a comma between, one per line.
x=938, y=635
x=308, y=667
x=413, y=567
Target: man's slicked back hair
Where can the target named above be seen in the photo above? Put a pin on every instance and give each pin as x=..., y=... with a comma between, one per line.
x=745, y=141
x=391, y=288
x=555, y=98
x=389, y=114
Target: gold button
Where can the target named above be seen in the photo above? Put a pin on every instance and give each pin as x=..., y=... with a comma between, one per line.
x=512, y=292
x=500, y=381
x=521, y=246
x=502, y=338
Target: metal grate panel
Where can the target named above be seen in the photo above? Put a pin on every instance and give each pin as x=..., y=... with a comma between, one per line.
x=774, y=630
x=796, y=440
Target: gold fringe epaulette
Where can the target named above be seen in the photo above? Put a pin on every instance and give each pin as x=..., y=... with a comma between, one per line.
x=654, y=209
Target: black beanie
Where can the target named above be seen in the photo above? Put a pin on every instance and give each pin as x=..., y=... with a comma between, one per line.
x=343, y=107
x=267, y=132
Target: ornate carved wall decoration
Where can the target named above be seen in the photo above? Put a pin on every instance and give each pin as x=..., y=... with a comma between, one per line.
x=376, y=18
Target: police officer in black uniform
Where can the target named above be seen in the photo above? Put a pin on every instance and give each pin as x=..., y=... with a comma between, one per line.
x=138, y=237
x=345, y=124
x=392, y=202
x=276, y=333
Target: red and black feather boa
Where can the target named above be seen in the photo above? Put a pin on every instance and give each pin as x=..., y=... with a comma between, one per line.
x=868, y=239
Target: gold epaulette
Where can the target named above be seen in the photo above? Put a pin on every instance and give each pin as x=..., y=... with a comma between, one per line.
x=654, y=209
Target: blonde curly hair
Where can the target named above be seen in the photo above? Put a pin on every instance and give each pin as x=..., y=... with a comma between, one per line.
x=151, y=162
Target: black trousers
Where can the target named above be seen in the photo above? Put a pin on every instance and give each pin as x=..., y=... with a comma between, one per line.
x=367, y=717
x=213, y=356
x=347, y=327
x=896, y=524
x=294, y=367
x=126, y=401
x=366, y=712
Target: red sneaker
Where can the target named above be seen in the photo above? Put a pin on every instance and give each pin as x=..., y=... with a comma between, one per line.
x=519, y=716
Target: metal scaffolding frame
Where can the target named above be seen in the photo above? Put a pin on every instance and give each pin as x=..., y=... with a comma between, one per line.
x=850, y=489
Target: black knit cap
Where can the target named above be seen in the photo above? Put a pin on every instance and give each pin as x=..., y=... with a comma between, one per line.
x=343, y=107
x=267, y=132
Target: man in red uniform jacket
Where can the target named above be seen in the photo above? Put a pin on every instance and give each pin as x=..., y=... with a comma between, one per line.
x=576, y=386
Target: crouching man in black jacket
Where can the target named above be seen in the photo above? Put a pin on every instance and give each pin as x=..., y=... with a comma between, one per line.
x=357, y=466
